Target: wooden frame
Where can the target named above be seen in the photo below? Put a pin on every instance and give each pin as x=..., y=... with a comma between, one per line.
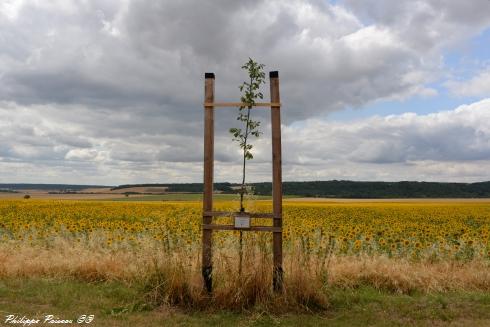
x=208, y=213
x=241, y=104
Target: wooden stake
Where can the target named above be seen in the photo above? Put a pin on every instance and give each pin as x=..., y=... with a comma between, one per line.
x=276, y=181
x=207, y=234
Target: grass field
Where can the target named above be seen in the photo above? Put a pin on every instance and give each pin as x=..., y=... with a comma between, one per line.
x=138, y=263
x=115, y=304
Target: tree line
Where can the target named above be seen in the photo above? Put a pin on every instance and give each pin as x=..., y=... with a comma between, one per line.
x=346, y=189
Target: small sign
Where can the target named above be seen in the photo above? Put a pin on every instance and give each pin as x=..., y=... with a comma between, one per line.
x=242, y=221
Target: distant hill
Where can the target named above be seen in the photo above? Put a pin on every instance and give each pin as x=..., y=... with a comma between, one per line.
x=405, y=189
x=186, y=187
x=328, y=189
x=48, y=187
x=348, y=189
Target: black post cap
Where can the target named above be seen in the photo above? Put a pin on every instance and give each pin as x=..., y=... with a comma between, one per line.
x=209, y=75
x=274, y=74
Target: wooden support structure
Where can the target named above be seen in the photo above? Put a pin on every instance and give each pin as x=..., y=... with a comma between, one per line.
x=208, y=213
x=252, y=228
x=207, y=234
x=241, y=104
x=234, y=213
x=276, y=180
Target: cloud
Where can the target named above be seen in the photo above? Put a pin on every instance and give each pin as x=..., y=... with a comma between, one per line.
x=425, y=25
x=81, y=154
x=125, y=54
x=479, y=85
x=448, y=144
x=113, y=89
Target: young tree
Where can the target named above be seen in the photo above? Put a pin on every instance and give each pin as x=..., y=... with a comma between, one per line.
x=250, y=92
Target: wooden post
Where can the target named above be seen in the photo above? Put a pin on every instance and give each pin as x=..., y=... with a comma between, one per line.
x=276, y=181
x=207, y=234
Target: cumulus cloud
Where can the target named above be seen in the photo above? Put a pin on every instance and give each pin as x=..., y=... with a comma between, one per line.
x=113, y=89
x=446, y=145
x=425, y=25
x=478, y=85
x=140, y=53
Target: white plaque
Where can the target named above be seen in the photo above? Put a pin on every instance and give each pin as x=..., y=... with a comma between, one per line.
x=242, y=221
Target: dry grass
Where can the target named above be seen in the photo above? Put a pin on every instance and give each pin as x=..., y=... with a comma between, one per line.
x=175, y=279
x=404, y=276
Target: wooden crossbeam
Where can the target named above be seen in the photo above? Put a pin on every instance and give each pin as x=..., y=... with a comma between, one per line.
x=240, y=104
x=234, y=213
x=232, y=227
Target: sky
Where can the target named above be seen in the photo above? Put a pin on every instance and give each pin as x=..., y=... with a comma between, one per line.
x=110, y=92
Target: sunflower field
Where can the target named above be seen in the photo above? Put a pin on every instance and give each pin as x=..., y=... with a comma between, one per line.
x=459, y=231
x=400, y=247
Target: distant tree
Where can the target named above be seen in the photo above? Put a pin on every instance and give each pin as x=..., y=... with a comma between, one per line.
x=27, y=196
